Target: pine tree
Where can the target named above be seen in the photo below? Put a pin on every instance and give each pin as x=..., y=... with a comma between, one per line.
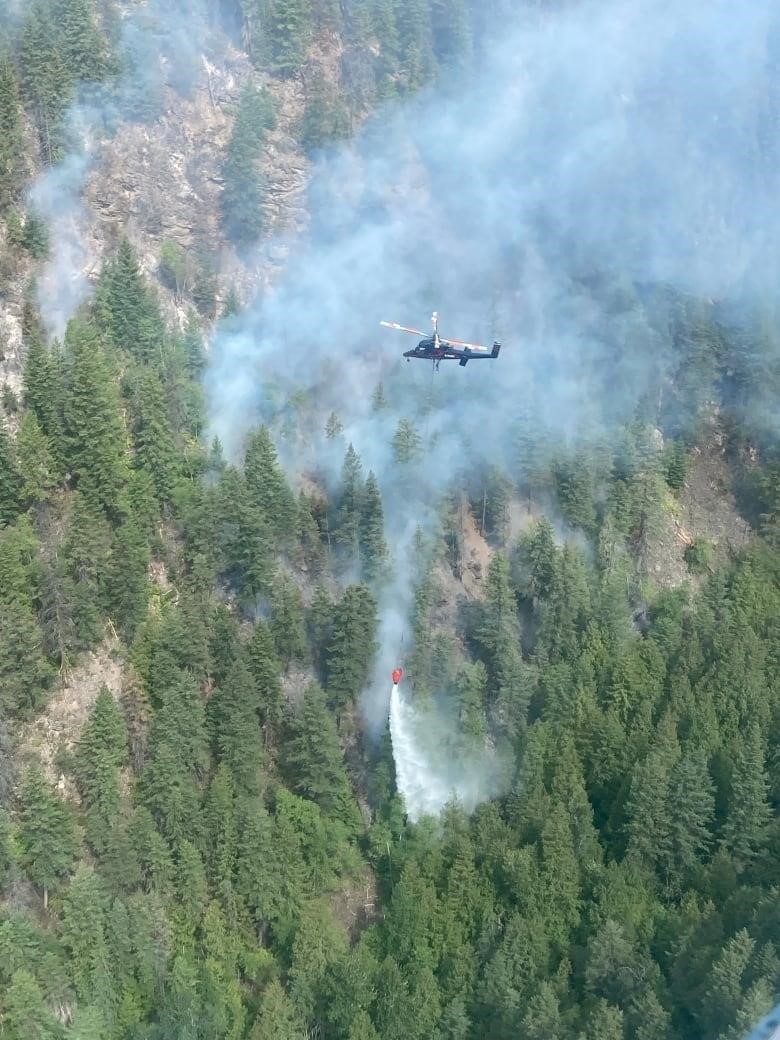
x=244, y=187
x=47, y=833
x=691, y=804
x=129, y=309
x=415, y=43
x=312, y=551
x=378, y=400
x=100, y=753
x=234, y=711
x=289, y=32
x=349, y=505
x=276, y=1017
x=36, y=462
x=406, y=443
x=25, y=1015
x=86, y=554
x=265, y=668
x=96, y=438
x=604, y=1022
x=286, y=624
x=373, y=548
x=127, y=584
x=314, y=759
x=320, y=627
x=647, y=802
x=267, y=486
x=11, y=479
x=334, y=427
x=25, y=674
x=47, y=82
x=82, y=44
x=84, y=937
x=11, y=148
x=451, y=35
x=745, y=828
x=325, y=117
x=352, y=645
x=44, y=393
x=155, y=449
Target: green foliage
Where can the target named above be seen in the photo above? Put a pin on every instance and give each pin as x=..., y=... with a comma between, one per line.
x=95, y=436
x=289, y=31
x=406, y=442
x=352, y=646
x=11, y=157
x=698, y=556
x=325, y=117
x=242, y=196
x=128, y=309
x=371, y=536
x=47, y=833
x=100, y=753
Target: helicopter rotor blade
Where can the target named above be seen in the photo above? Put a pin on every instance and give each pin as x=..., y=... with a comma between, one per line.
x=401, y=328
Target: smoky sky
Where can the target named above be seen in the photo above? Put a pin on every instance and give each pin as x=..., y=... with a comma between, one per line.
x=631, y=142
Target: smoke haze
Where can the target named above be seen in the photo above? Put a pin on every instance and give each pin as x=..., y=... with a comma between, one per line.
x=632, y=143
x=617, y=142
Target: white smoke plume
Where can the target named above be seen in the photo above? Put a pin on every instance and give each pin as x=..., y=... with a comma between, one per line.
x=56, y=198
x=604, y=148
x=428, y=775
x=158, y=46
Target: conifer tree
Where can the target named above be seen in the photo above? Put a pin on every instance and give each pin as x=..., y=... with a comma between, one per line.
x=451, y=35
x=378, y=400
x=373, y=548
x=96, y=438
x=235, y=718
x=25, y=1015
x=155, y=450
x=267, y=486
x=349, y=505
x=406, y=442
x=352, y=645
x=36, y=462
x=11, y=480
x=129, y=309
x=691, y=804
x=647, y=802
x=320, y=627
x=82, y=45
x=47, y=833
x=47, y=82
x=44, y=393
x=100, y=753
x=127, y=584
x=334, y=427
x=276, y=1017
x=289, y=32
x=286, y=624
x=242, y=196
x=312, y=549
x=25, y=674
x=265, y=667
x=325, y=117
x=747, y=818
x=11, y=152
x=314, y=759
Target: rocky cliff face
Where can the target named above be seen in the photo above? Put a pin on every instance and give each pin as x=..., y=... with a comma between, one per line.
x=162, y=181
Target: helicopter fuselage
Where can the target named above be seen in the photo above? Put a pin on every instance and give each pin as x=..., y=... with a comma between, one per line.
x=429, y=350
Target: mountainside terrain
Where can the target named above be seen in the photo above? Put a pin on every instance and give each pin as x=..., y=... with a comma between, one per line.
x=227, y=513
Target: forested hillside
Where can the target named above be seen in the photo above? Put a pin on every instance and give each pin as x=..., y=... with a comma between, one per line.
x=201, y=830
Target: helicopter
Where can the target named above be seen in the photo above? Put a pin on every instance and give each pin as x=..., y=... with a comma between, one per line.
x=434, y=348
